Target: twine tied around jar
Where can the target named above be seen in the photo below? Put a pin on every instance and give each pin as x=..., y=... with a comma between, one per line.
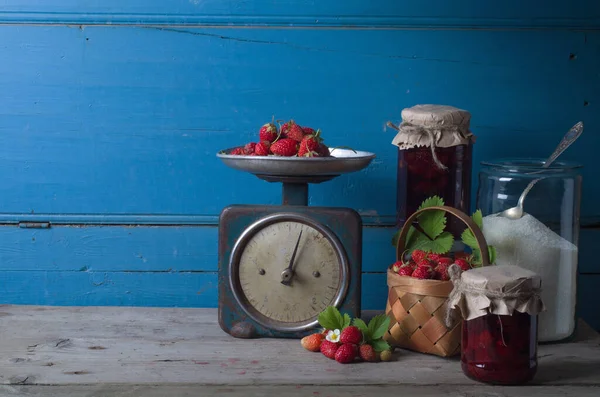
x=521, y=295
x=436, y=126
x=417, y=129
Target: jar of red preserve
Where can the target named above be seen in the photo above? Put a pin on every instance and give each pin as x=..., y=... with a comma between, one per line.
x=499, y=307
x=434, y=159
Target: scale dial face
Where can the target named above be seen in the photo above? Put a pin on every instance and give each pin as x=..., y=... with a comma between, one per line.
x=281, y=289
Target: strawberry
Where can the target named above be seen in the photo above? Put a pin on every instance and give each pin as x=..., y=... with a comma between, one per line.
x=445, y=261
x=308, y=131
x=312, y=342
x=351, y=334
x=309, y=146
x=346, y=353
x=385, y=355
x=285, y=147
x=418, y=256
x=425, y=262
x=249, y=148
x=238, y=151
x=323, y=150
x=461, y=255
x=434, y=257
x=463, y=264
x=423, y=273
x=295, y=132
x=441, y=272
x=285, y=128
x=329, y=348
x=405, y=270
x=367, y=353
x=396, y=266
x=262, y=148
x=268, y=132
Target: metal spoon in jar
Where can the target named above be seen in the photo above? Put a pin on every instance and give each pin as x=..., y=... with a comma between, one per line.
x=568, y=139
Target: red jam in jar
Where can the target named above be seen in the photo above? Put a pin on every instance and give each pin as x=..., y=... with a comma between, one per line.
x=499, y=307
x=434, y=159
x=500, y=349
x=418, y=178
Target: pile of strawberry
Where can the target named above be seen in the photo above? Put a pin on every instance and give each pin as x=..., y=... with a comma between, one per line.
x=290, y=140
x=347, y=343
x=428, y=266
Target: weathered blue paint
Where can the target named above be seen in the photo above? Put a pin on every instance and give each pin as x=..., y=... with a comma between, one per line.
x=91, y=288
x=119, y=125
x=346, y=13
x=138, y=249
x=71, y=121
x=108, y=249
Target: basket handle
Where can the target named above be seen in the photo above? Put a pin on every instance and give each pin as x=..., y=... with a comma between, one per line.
x=483, y=247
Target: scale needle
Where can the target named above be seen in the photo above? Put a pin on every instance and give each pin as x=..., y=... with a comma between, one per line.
x=286, y=275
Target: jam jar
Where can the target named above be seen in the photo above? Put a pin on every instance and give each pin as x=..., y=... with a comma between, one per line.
x=500, y=306
x=434, y=159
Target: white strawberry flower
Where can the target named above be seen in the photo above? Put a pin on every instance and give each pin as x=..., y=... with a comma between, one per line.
x=333, y=336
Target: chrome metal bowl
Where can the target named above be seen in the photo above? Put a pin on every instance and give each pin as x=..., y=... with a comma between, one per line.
x=342, y=161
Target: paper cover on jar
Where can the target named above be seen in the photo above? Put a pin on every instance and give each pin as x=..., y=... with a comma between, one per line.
x=443, y=125
x=500, y=289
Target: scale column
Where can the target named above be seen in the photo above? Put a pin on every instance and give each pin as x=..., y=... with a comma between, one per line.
x=295, y=193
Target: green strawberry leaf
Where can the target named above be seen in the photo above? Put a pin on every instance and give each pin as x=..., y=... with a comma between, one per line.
x=477, y=259
x=380, y=345
x=434, y=201
x=360, y=324
x=330, y=318
x=492, y=253
x=433, y=223
x=416, y=240
x=440, y=245
x=347, y=321
x=378, y=326
x=478, y=218
x=468, y=238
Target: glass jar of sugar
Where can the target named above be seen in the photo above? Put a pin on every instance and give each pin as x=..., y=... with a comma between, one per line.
x=434, y=158
x=545, y=239
x=499, y=306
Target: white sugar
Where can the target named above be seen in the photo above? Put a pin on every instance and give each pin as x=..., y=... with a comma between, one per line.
x=530, y=244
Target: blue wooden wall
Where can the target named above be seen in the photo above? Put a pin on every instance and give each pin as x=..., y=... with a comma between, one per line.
x=111, y=114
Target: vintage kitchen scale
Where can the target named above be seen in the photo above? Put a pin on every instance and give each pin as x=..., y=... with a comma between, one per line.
x=281, y=265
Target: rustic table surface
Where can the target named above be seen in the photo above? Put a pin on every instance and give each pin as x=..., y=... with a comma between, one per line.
x=116, y=351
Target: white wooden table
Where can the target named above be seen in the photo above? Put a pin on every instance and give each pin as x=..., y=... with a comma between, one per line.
x=112, y=351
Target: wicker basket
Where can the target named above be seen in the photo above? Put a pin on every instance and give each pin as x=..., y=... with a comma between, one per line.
x=417, y=308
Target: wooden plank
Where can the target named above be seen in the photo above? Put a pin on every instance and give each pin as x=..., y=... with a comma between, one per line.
x=69, y=265
x=140, y=289
x=587, y=304
x=325, y=12
x=588, y=240
x=374, y=291
x=109, y=248
x=140, y=248
x=99, y=345
x=69, y=88
x=184, y=289
x=181, y=289
x=391, y=390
